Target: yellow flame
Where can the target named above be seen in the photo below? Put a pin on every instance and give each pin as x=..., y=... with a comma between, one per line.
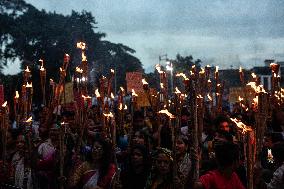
x=209, y=97
x=27, y=69
x=112, y=70
x=177, y=91
x=162, y=85
x=158, y=68
x=29, y=85
x=86, y=97
x=122, y=89
x=241, y=125
x=144, y=81
x=199, y=96
x=202, y=71
x=253, y=75
x=208, y=66
x=257, y=89
x=240, y=98
x=29, y=120
x=182, y=75
x=84, y=57
x=255, y=101
x=79, y=70
x=125, y=107
x=17, y=94
x=97, y=93
x=217, y=69
x=111, y=95
x=133, y=93
x=108, y=115
x=4, y=104
x=81, y=45
x=165, y=111
x=120, y=106
x=209, y=81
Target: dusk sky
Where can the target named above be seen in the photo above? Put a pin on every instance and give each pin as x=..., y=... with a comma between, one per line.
x=219, y=32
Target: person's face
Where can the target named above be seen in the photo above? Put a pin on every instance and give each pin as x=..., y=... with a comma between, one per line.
x=97, y=152
x=138, y=138
x=20, y=143
x=137, y=157
x=225, y=126
x=163, y=164
x=180, y=146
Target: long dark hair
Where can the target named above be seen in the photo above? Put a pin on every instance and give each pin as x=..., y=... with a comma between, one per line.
x=106, y=157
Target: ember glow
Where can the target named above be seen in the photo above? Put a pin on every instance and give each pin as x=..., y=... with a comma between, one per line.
x=241, y=125
x=165, y=111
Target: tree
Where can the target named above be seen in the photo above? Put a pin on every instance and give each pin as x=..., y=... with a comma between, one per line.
x=31, y=34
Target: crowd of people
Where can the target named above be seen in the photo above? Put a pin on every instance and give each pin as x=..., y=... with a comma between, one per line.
x=53, y=156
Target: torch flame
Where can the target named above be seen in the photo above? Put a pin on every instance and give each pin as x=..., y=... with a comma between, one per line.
x=125, y=107
x=112, y=70
x=241, y=125
x=202, y=71
x=158, y=68
x=177, y=91
x=162, y=85
x=81, y=45
x=253, y=75
x=217, y=69
x=240, y=98
x=27, y=69
x=79, y=70
x=108, y=115
x=257, y=89
x=182, y=75
x=144, y=81
x=29, y=85
x=4, y=104
x=29, y=120
x=209, y=97
x=111, y=95
x=17, y=94
x=133, y=93
x=209, y=81
x=97, y=93
x=41, y=68
x=120, y=106
x=122, y=89
x=86, y=97
x=84, y=57
x=165, y=111
x=199, y=96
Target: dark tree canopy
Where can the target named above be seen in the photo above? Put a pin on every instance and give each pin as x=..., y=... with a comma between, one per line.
x=31, y=34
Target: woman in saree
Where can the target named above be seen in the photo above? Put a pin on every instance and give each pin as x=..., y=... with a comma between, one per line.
x=97, y=172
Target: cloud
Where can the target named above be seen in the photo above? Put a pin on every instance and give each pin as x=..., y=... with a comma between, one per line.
x=226, y=31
